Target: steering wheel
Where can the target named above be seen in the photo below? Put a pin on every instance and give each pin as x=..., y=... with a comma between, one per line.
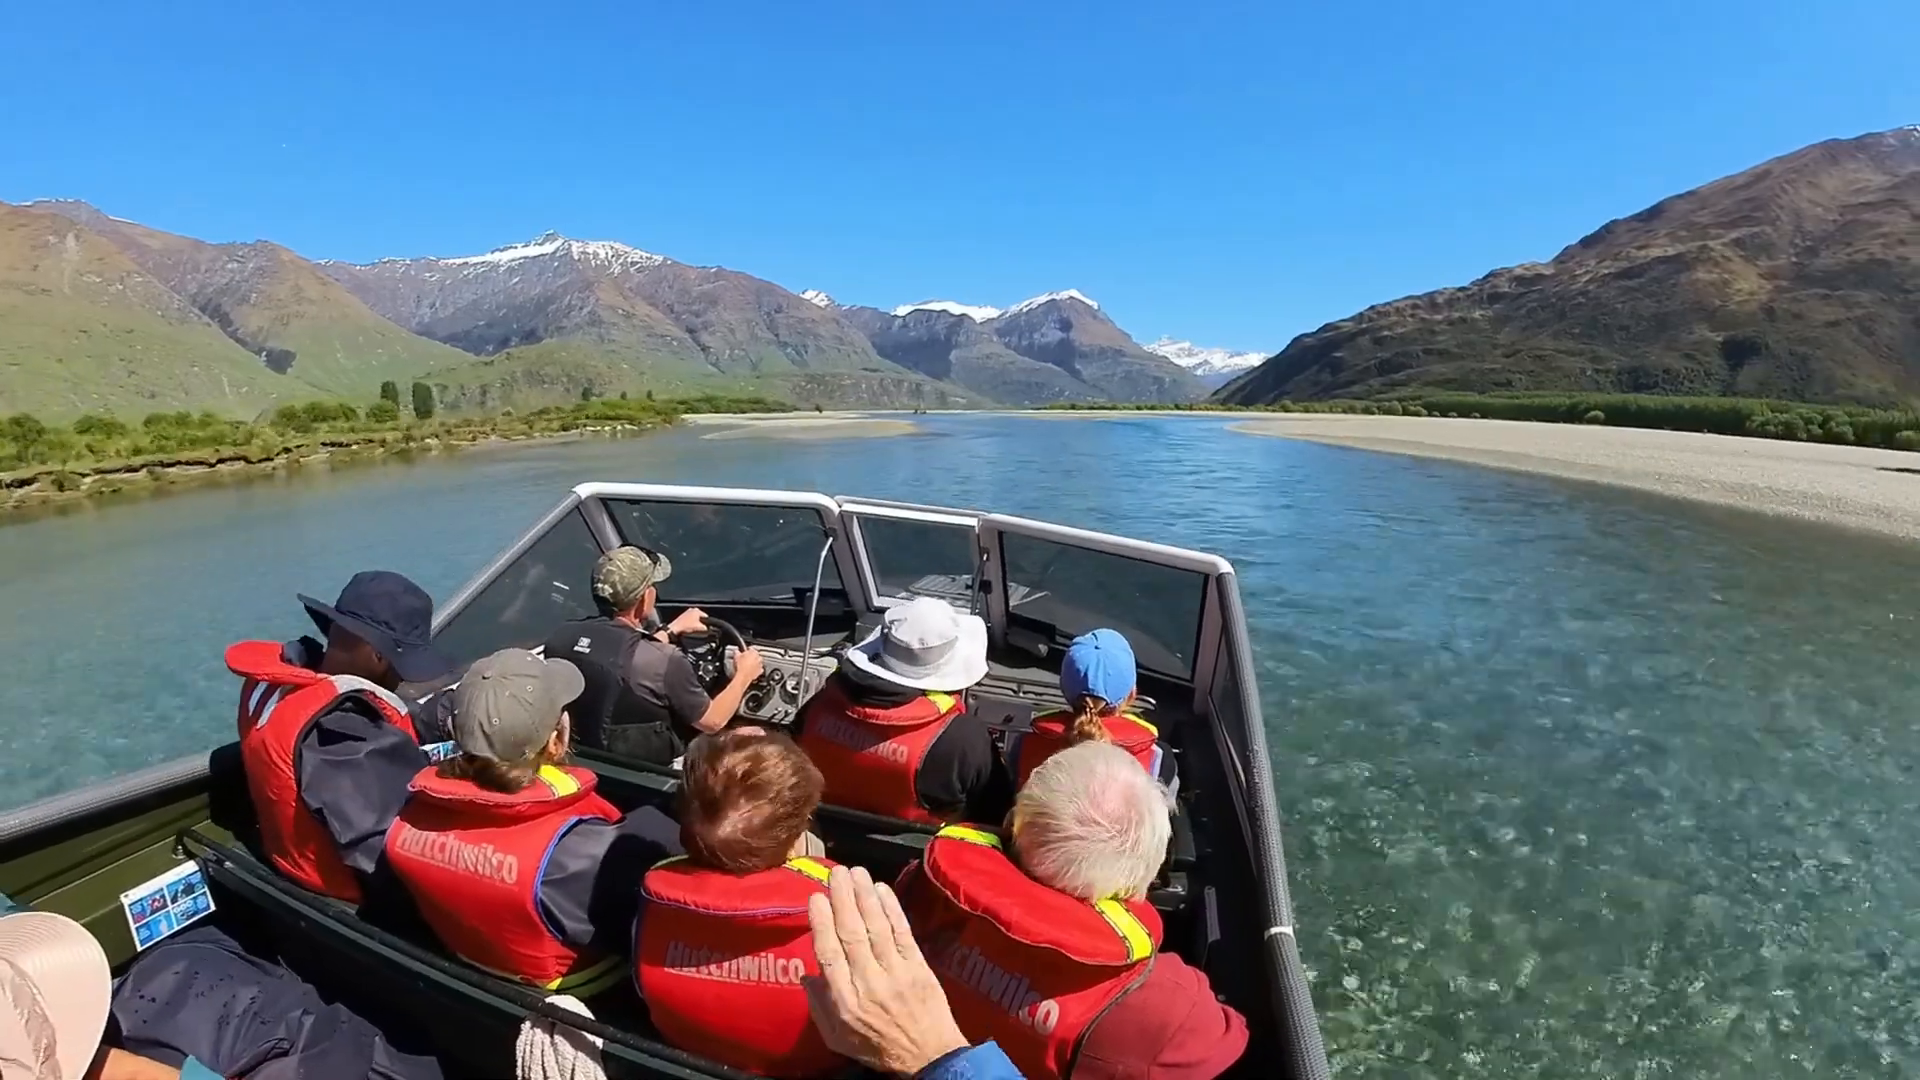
x=706, y=650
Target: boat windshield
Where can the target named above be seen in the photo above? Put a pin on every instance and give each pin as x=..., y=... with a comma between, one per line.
x=729, y=552
x=1063, y=590
x=911, y=558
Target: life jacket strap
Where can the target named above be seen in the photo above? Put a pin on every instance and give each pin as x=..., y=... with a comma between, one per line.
x=971, y=835
x=812, y=868
x=1124, y=923
x=558, y=781
x=583, y=983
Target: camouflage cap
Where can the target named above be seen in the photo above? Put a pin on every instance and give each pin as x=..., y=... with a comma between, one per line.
x=624, y=573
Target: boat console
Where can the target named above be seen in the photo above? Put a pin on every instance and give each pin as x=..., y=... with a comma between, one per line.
x=786, y=684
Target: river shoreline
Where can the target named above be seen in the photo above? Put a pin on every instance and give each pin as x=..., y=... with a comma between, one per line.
x=1859, y=488
x=39, y=489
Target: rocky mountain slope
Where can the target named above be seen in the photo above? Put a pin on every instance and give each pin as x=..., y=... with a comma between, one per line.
x=83, y=327
x=1797, y=279
x=555, y=316
x=275, y=305
x=1058, y=347
x=101, y=313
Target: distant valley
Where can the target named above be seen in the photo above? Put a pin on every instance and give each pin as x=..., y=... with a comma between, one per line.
x=99, y=314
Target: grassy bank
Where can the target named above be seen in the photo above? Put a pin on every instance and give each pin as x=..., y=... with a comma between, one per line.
x=100, y=455
x=1893, y=429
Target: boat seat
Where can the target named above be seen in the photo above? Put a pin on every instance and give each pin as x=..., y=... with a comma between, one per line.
x=410, y=965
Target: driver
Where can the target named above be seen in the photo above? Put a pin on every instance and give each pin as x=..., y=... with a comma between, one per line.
x=642, y=699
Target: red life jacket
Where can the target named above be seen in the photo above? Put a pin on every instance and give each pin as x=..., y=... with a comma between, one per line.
x=278, y=701
x=1022, y=964
x=472, y=860
x=1131, y=733
x=869, y=756
x=719, y=958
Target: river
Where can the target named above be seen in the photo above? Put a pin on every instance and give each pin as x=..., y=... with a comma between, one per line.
x=1578, y=782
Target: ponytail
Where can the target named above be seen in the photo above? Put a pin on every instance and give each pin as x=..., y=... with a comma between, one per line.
x=1089, y=724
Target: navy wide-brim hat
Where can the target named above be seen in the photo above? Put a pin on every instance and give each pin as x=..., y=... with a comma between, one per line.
x=389, y=612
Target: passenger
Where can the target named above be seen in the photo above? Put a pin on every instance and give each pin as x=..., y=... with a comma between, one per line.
x=643, y=700
x=1099, y=681
x=1065, y=920
x=876, y=1000
x=512, y=859
x=721, y=944
x=329, y=748
x=890, y=730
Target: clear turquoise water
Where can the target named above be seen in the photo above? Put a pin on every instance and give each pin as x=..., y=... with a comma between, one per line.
x=1578, y=783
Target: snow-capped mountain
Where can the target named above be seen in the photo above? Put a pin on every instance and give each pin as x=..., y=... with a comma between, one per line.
x=1055, y=347
x=818, y=299
x=1203, y=361
x=976, y=312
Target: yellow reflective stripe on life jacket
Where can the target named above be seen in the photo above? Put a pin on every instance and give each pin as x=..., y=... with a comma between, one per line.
x=946, y=702
x=558, y=781
x=813, y=868
x=1143, y=722
x=971, y=835
x=592, y=980
x=1139, y=942
x=585, y=982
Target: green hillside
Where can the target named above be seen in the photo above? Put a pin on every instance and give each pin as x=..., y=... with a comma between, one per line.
x=84, y=329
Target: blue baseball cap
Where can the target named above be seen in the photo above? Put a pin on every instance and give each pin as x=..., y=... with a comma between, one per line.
x=1099, y=664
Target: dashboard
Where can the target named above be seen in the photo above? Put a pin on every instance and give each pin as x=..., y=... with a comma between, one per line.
x=776, y=696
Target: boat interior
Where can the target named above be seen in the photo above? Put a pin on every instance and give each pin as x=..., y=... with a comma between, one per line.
x=800, y=576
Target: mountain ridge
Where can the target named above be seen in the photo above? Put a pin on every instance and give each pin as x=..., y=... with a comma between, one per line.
x=1795, y=279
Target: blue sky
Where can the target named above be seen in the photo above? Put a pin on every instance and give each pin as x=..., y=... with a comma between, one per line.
x=1230, y=173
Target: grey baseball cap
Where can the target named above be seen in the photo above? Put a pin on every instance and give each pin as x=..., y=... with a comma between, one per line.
x=624, y=573
x=508, y=705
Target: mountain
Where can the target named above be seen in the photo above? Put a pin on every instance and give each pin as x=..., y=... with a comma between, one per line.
x=84, y=327
x=1213, y=367
x=555, y=316
x=275, y=305
x=1058, y=347
x=1797, y=279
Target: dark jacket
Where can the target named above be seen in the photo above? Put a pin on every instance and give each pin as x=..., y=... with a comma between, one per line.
x=200, y=995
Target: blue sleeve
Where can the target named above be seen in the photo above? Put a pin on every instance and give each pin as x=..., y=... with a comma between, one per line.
x=354, y=769
x=191, y=1069
x=984, y=1062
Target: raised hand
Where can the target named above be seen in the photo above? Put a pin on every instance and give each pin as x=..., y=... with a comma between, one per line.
x=875, y=1000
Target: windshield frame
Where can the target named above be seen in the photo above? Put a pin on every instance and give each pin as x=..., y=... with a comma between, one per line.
x=854, y=511
x=1211, y=568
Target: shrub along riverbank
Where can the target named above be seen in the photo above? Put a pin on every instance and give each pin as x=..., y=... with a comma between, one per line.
x=1893, y=429
x=97, y=455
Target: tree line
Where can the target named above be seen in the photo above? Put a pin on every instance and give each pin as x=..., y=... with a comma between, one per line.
x=1849, y=425
x=28, y=442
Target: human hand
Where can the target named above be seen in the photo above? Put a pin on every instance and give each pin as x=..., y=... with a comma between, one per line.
x=875, y=999
x=689, y=621
x=748, y=664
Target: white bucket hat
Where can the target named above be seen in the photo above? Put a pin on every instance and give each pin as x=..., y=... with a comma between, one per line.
x=55, y=989
x=924, y=644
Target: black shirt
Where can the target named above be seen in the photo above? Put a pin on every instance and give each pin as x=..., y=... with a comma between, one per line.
x=962, y=777
x=642, y=698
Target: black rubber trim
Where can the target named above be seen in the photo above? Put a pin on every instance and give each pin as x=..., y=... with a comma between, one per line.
x=238, y=869
x=1300, y=1038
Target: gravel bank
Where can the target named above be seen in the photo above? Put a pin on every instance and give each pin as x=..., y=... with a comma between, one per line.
x=1851, y=486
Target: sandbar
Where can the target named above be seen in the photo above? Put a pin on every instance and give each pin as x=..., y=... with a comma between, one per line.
x=1851, y=486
